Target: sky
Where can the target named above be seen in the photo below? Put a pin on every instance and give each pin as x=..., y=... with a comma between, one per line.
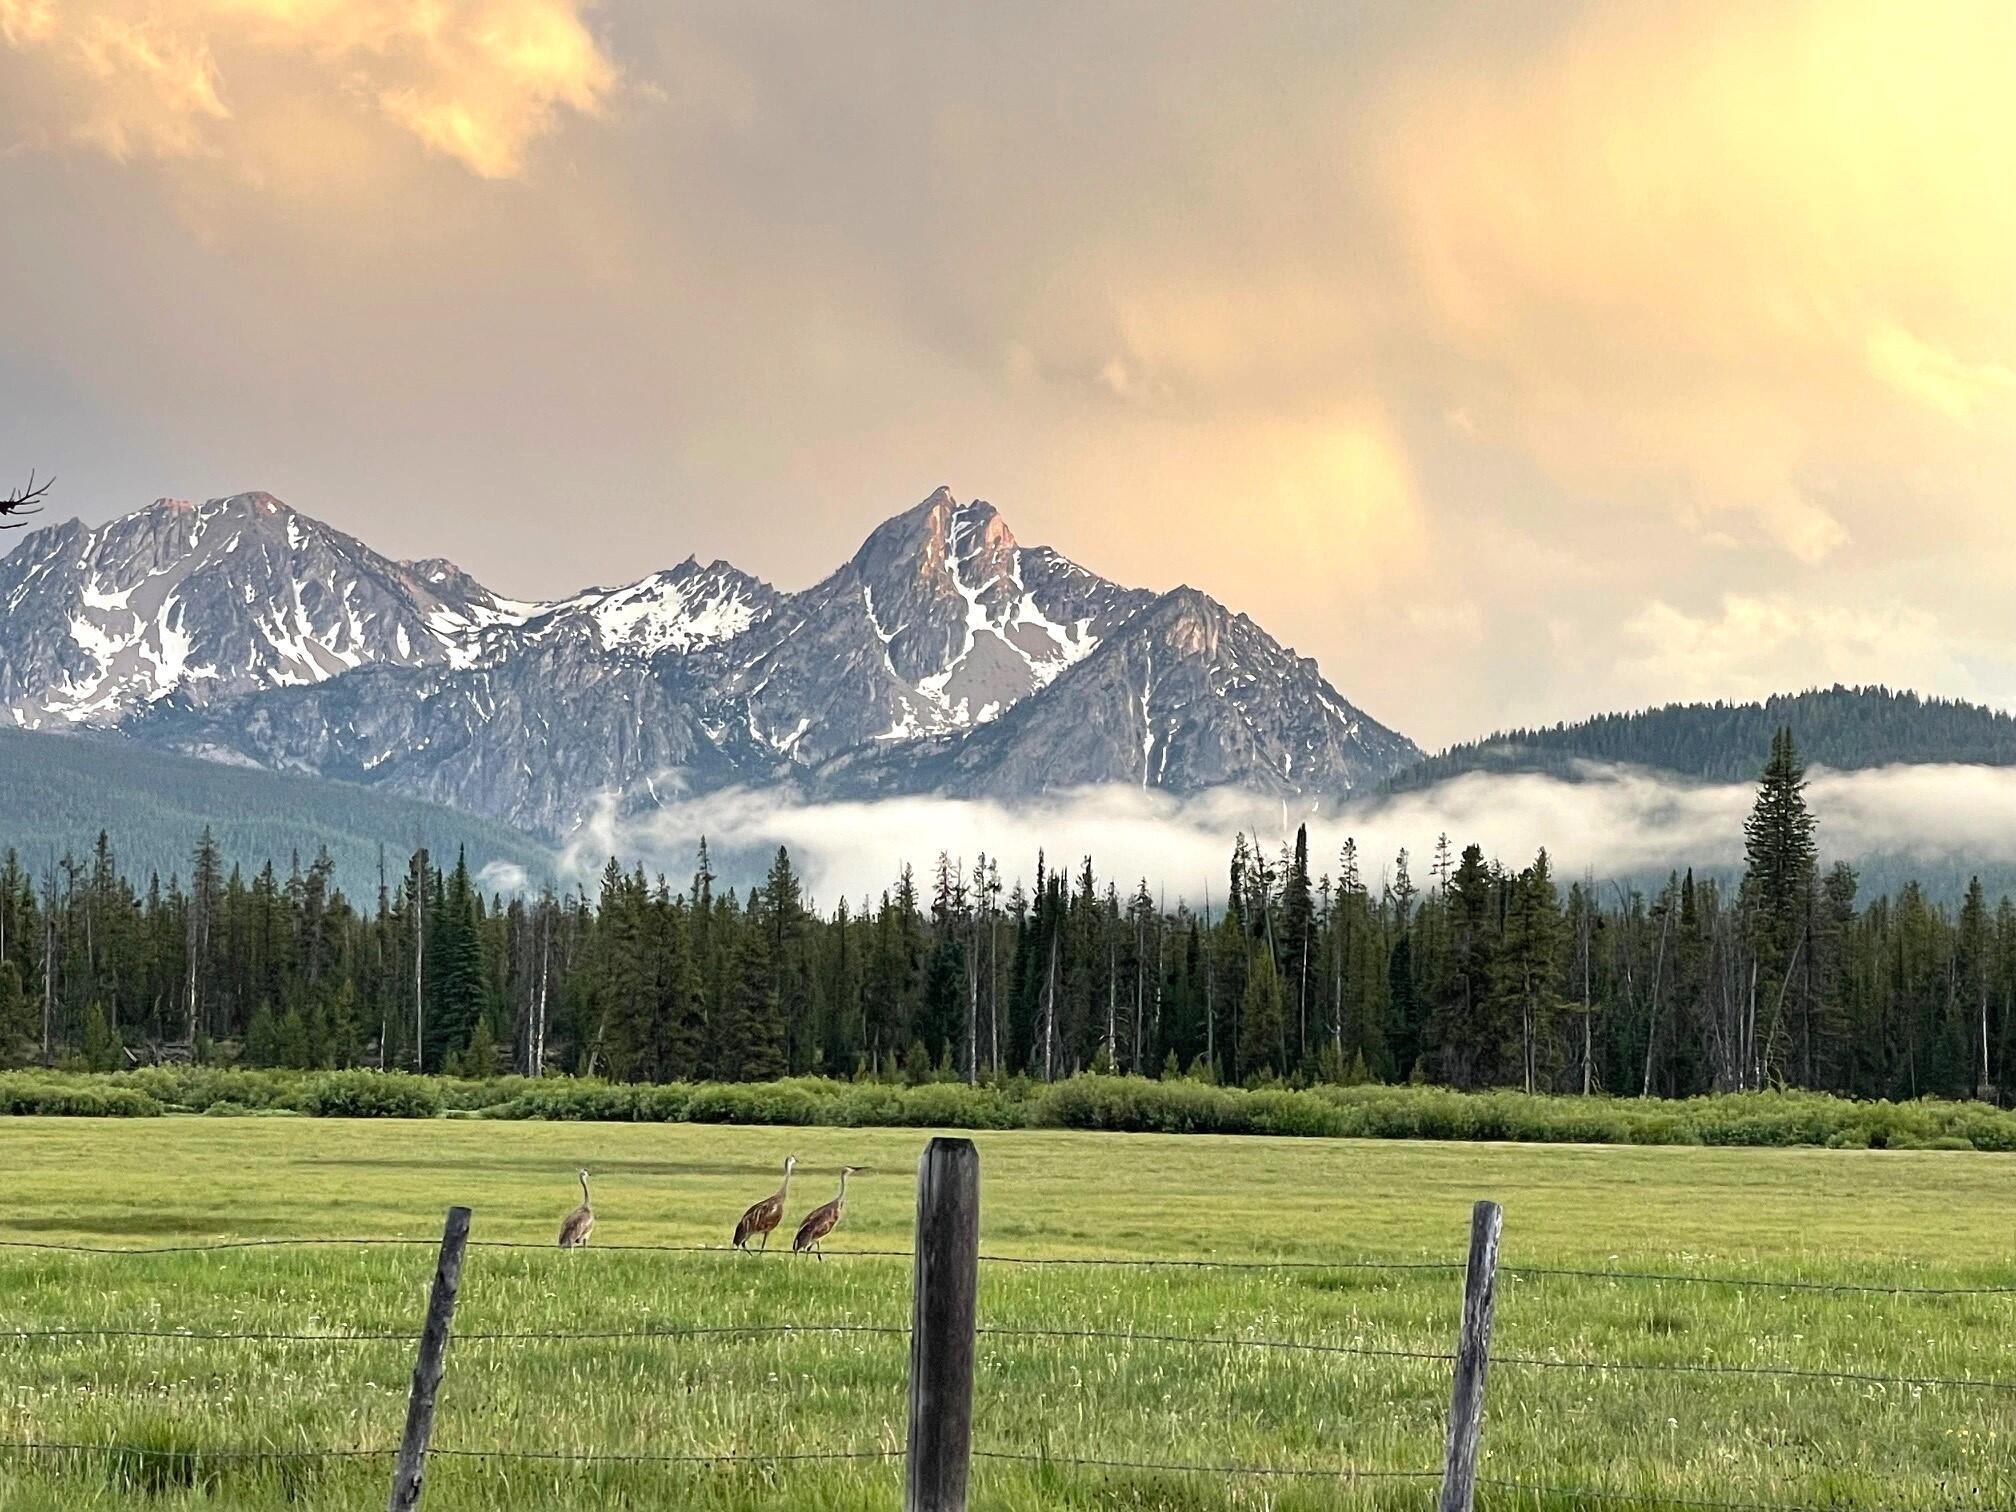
x=1514, y=360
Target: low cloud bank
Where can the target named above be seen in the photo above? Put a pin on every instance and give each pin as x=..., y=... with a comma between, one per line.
x=1614, y=821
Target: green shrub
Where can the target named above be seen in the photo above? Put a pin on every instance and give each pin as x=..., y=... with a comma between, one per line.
x=51, y=1095
x=195, y=1088
x=1137, y=1104
x=369, y=1094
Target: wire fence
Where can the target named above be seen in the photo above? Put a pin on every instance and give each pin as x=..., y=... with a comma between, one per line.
x=1120, y=1262
x=673, y=1332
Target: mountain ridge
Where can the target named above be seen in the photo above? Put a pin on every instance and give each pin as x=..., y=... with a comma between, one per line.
x=1844, y=726
x=60, y=789
x=941, y=655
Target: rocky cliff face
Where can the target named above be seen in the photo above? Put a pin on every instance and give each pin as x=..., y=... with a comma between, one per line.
x=942, y=656
x=1183, y=695
x=940, y=623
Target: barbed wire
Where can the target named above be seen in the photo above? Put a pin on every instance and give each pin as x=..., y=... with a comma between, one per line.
x=1511, y=1272
x=590, y=1456
x=1530, y=1488
x=1329, y=1473
x=548, y=1456
x=150, y=1451
x=146, y=1452
x=394, y=1241
x=1159, y=1263
x=1699, y=1367
x=200, y=1336
x=1228, y=1341
x=677, y=1331
x=474, y=1336
x=1542, y=1272
x=1654, y=1498
x=204, y=1247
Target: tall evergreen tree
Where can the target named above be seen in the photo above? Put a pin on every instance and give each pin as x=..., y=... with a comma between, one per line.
x=1780, y=854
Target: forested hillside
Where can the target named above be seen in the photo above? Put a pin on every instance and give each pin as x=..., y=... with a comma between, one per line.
x=1840, y=727
x=1482, y=974
x=58, y=791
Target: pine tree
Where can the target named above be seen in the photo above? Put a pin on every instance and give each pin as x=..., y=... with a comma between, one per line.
x=292, y=1041
x=1528, y=964
x=1296, y=938
x=101, y=1044
x=262, y=1037
x=17, y=1017
x=1262, y=1023
x=479, y=1058
x=1780, y=857
x=750, y=1042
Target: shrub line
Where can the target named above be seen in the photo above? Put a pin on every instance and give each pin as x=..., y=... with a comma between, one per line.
x=1087, y=1101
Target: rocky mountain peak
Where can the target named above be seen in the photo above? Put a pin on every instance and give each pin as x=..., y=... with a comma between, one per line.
x=943, y=655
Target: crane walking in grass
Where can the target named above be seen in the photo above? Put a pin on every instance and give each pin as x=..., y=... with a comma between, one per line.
x=765, y=1215
x=821, y=1221
x=580, y=1223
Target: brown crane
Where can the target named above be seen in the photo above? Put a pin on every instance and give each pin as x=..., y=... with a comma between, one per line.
x=580, y=1223
x=821, y=1221
x=765, y=1215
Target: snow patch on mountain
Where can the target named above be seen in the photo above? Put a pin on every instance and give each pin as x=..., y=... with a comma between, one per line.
x=942, y=656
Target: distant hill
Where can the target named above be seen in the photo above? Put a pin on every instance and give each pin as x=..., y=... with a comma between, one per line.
x=60, y=790
x=1840, y=727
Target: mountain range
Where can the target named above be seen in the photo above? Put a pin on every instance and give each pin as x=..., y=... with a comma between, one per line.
x=942, y=657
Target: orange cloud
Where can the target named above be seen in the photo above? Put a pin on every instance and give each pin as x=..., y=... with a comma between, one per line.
x=476, y=80
x=1710, y=254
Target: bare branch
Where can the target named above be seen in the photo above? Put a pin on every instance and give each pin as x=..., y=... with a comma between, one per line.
x=24, y=501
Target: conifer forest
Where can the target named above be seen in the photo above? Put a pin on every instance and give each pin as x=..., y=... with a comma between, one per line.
x=1454, y=968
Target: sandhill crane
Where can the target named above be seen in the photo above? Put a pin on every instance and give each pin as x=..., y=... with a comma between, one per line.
x=821, y=1221
x=765, y=1215
x=580, y=1223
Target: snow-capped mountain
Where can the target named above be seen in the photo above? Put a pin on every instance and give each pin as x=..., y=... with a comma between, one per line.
x=942, y=656
x=685, y=608
x=1186, y=695
x=939, y=623
x=213, y=601
x=207, y=602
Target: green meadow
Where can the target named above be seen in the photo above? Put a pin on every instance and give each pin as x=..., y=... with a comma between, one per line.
x=1057, y=1385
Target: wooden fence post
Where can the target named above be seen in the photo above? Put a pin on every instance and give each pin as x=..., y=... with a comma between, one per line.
x=947, y=1281
x=1473, y=1355
x=412, y=1465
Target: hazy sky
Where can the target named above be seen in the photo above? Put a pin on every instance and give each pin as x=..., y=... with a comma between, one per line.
x=1514, y=360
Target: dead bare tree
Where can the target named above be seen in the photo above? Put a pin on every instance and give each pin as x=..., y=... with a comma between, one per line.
x=26, y=500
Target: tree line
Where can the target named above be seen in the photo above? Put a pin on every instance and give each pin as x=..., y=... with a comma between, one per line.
x=1844, y=728
x=1478, y=975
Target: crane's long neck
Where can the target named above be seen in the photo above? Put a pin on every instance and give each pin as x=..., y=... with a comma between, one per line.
x=786, y=1187
x=584, y=1189
x=842, y=1196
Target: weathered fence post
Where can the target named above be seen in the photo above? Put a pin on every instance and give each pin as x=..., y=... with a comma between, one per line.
x=947, y=1283
x=1473, y=1355
x=412, y=1466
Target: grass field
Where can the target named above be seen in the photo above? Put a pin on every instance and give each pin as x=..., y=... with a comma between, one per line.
x=1912, y=1219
